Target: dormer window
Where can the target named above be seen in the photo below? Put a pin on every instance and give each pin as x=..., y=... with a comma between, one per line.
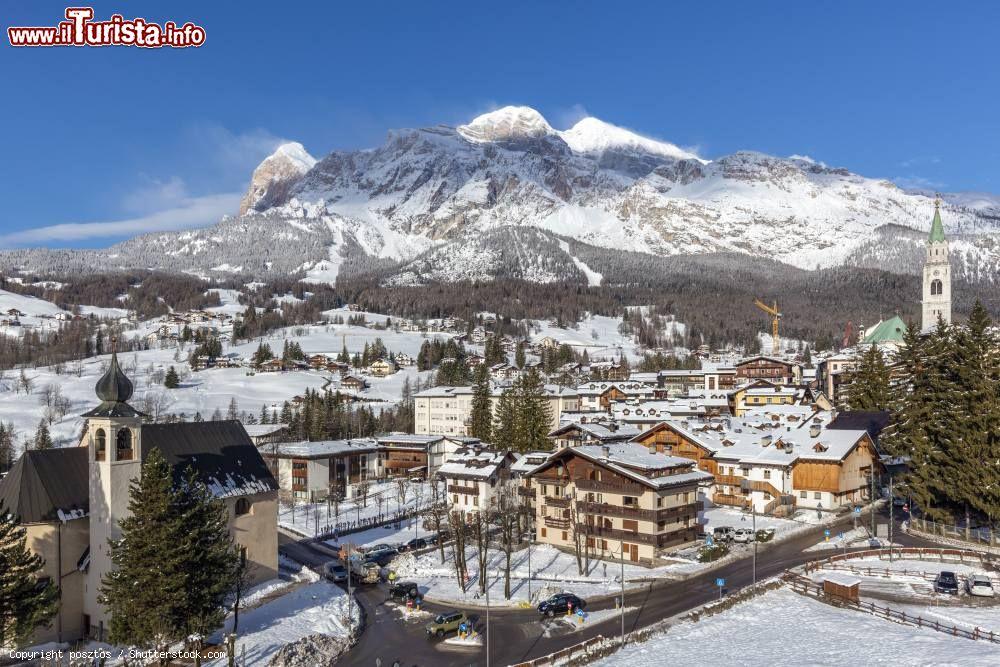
x=100, y=445
x=124, y=450
x=820, y=447
x=242, y=507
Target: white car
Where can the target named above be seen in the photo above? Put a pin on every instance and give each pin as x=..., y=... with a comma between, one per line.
x=979, y=584
x=744, y=535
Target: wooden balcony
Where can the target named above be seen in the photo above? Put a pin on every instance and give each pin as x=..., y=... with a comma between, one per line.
x=662, y=514
x=561, y=523
x=558, y=502
x=658, y=540
x=467, y=490
x=526, y=491
x=729, y=499
x=610, y=487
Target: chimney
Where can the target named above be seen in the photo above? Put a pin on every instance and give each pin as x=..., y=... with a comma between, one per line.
x=605, y=452
x=814, y=431
x=765, y=441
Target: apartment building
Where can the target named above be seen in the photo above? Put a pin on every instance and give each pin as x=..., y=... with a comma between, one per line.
x=617, y=501
x=774, y=462
x=446, y=410
x=309, y=471
x=472, y=476
x=574, y=434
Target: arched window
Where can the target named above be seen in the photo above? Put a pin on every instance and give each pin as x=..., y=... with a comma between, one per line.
x=124, y=451
x=936, y=287
x=242, y=507
x=100, y=445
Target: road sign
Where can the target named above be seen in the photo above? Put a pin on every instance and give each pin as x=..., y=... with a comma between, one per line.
x=720, y=582
x=708, y=540
x=857, y=509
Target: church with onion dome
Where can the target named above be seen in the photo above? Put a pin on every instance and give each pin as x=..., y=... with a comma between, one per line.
x=71, y=500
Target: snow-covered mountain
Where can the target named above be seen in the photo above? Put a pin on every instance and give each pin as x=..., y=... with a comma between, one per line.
x=444, y=203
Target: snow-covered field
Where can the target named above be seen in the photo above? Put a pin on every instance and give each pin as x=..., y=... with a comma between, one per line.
x=784, y=628
x=552, y=571
x=302, y=518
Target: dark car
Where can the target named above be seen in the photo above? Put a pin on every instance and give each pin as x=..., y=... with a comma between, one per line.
x=946, y=582
x=404, y=590
x=415, y=543
x=380, y=558
x=560, y=604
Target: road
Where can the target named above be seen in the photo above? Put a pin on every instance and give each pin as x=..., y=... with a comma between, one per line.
x=516, y=635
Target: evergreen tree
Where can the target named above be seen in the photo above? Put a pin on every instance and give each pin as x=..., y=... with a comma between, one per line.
x=264, y=417
x=24, y=604
x=481, y=415
x=171, y=380
x=263, y=353
x=174, y=564
x=519, y=356
x=233, y=412
x=869, y=389
x=534, y=420
x=6, y=448
x=43, y=440
x=505, y=424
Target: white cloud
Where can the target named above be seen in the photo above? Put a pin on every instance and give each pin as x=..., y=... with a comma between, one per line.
x=155, y=195
x=918, y=183
x=234, y=153
x=188, y=213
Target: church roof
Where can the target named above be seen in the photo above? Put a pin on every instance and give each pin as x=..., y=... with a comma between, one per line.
x=937, y=228
x=887, y=331
x=114, y=389
x=47, y=485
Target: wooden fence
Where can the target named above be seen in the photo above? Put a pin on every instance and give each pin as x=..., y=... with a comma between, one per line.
x=806, y=586
x=983, y=536
x=886, y=572
x=919, y=553
x=576, y=651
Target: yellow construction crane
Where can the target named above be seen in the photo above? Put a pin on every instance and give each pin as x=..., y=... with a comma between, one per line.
x=775, y=317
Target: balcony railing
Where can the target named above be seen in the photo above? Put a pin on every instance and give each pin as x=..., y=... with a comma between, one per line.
x=557, y=502
x=557, y=522
x=656, y=539
x=610, y=487
x=527, y=491
x=467, y=490
x=729, y=499
x=663, y=514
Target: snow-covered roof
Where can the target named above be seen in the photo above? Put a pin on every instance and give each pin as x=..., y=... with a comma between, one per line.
x=325, y=448
x=482, y=465
x=639, y=464
x=260, y=430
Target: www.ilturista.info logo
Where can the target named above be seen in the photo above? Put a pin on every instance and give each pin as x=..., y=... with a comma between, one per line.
x=80, y=30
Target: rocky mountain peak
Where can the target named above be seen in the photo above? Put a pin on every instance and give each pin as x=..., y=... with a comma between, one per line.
x=505, y=124
x=274, y=177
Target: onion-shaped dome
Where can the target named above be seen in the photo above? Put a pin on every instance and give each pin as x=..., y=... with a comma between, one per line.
x=114, y=386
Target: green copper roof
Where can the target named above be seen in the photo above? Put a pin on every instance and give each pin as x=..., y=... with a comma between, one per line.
x=888, y=331
x=937, y=229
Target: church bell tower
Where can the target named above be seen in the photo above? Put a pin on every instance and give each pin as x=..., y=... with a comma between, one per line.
x=113, y=439
x=937, y=275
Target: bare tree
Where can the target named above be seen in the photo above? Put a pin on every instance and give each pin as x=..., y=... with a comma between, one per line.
x=25, y=383
x=361, y=489
x=459, y=532
x=436, y=518
x=479, y=523
x=506, y=517
x=381, y=500
x=402, y=490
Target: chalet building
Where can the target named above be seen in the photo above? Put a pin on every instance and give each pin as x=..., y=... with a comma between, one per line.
x=71, y=500
x=546, y=343
x=520, y=472
x=403, y=359
x=446, y=410
x=472, y=476
x=763, y=393
x=318, y=361
x=609, y=371
x=574, y=434
x=353, y=383
x=382, y=368
x=674, y=383
x=405, y=454
x=598, y=396
x=504, y=372
x=774, y=462
x=774, y=370
x=618, y=501
x=310, y=471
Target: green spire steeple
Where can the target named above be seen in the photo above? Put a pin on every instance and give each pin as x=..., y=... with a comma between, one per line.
x=937, y=229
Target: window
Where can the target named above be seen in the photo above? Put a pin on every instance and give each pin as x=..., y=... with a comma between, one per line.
x=660, y=525
x=242, y=507
x=564, y=536
x=817, y=495
x=936, y=287
x=767, y=474
x=100, y=445
x=630, y=524
x=803, y=494
x=543, y=533
x=659, y=501
x=124, y=445
x=630, y=501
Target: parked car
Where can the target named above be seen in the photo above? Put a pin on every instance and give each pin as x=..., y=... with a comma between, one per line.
x=404, y=590
x=979, y=584
x=335, y=572
x=380, y=558
x=560, y=603
x=445, y=623
x=744, y=535
x=724, y=533
x=415, y=543
x=946, y=582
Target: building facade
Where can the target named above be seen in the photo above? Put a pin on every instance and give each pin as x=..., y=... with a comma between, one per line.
x=937, y=275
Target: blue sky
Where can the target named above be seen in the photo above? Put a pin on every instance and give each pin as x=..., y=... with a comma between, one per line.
x=101, y=143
